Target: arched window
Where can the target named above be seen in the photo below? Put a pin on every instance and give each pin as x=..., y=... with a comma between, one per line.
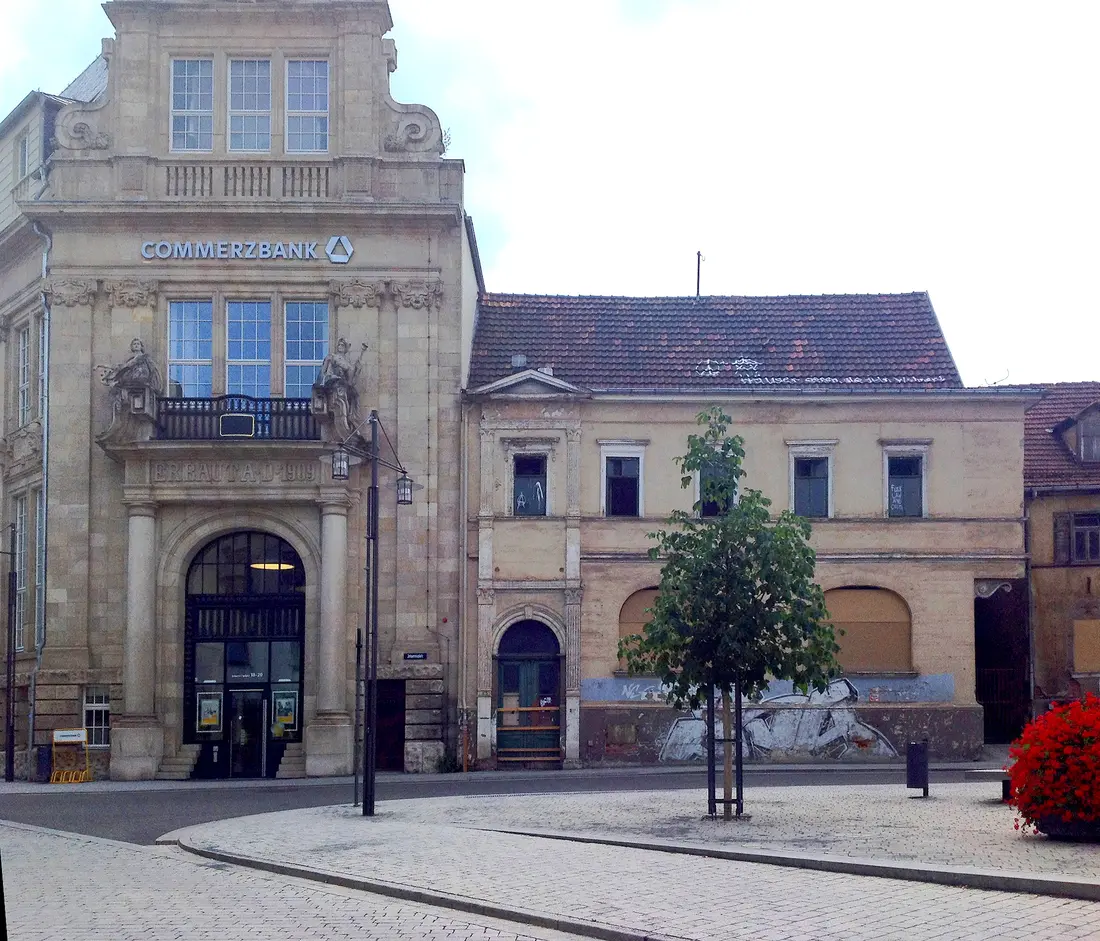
x=877, y=629
x=633, y=616
x=246, y=563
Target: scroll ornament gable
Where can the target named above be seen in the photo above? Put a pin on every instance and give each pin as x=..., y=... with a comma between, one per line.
x=79, y=127
x=412, y=129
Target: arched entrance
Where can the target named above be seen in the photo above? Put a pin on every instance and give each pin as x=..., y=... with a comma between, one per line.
x=243, y=654
x=529, y=696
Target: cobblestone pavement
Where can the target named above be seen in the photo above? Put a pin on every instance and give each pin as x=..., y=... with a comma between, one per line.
x=433, y=846
x=58, y=885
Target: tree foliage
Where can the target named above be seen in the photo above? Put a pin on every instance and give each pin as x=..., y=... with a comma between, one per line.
x=737, y=593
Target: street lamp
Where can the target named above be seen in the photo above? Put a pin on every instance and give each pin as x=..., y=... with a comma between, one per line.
x=340, y=463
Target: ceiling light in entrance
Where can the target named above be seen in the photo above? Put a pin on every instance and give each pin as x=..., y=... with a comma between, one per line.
x=272, y=566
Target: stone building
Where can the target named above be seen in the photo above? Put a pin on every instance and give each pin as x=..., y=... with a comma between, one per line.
x=220, y=248
x=853, y=415
x=225, y=246
x=1062, y=489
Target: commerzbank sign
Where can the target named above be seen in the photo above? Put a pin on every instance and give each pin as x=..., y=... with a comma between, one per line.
x=337, y=249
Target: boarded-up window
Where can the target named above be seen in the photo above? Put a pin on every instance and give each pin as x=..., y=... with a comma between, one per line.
x=633, y=616
x=1086, y=646
x=877, y=632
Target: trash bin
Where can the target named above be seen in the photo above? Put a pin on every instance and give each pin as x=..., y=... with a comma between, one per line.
x=916, y=766
x=43, y=764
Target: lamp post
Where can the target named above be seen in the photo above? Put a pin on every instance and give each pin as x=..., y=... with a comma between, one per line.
x=340, y=467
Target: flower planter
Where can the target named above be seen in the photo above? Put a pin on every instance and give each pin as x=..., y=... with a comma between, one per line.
x=1078, y=830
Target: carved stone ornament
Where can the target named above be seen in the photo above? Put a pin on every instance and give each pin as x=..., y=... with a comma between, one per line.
x=131, y=293
x=988, y=587
x=335, y=398
x=486, y=596
x=573, y=595
x=22, y=449
x=357, y=293
x=74, y=128
x=74, y=293
x=411, y=135
x=134, y=386
x=418, y=295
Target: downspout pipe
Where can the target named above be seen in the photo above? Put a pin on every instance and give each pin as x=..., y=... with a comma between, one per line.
x=41, y=555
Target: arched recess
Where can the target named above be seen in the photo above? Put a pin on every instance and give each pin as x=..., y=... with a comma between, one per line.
x=633, y=615
x=180, y=543
x=877, y=629
x=529, y=695
x=528, y=612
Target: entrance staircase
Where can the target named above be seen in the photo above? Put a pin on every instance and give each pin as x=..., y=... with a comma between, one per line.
x=179, y=766
x=293, y=763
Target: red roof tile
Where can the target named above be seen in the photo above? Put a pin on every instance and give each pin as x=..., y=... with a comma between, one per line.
x=1047, y=461
x=854, y=342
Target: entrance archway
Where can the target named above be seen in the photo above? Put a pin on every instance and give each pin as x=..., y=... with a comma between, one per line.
x=243, y=645
x=529, y=696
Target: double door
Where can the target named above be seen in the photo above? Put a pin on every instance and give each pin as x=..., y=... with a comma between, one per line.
x=529, y=712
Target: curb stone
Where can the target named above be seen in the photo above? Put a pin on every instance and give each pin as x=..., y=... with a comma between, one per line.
x=993, y=880
x=575, y=926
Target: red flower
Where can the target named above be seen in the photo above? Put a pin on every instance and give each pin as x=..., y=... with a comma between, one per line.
x=1056, y=764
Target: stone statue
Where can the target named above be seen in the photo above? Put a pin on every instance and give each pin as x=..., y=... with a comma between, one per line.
x=138, y=374
x=337, y=381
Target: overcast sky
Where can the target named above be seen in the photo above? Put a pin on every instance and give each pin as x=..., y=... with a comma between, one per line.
x=804, y=147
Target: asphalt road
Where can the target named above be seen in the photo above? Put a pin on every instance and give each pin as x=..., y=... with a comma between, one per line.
x=142, y=815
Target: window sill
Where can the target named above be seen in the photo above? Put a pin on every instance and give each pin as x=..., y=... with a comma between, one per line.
x=883, y=674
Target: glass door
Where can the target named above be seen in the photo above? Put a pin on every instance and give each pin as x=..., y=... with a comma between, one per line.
x=247, y=733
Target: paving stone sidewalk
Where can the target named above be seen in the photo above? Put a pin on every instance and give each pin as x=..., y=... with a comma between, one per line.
x=451, y=849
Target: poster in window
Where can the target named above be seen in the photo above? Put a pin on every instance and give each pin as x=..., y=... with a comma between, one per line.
x=284, y=706
x=209, y=712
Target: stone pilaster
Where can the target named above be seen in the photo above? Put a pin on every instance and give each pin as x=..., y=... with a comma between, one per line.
x=486, y=613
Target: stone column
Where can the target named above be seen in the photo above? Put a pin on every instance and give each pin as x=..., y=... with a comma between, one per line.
x=328, y=737
x=572, y=677
x=332, y=665
x=137, y=738
x=486, y=614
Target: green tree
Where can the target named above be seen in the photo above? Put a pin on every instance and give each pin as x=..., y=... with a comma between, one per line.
x=738, y=605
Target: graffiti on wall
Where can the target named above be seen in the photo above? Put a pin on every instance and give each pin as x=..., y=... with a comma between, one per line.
x=820, y=725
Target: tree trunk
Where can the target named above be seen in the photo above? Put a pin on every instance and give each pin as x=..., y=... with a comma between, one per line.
x=740, y=757
x=712, y=808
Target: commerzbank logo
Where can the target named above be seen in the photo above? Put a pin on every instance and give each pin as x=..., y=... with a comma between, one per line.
x=338, y=249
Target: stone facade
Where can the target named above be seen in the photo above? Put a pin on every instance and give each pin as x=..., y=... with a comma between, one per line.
x=136, y=219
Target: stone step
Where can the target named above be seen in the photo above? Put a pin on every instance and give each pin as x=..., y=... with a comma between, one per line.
x=293, y=764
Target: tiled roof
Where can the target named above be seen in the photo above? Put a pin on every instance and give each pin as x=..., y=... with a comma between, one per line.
x=854, y=342
x=89, y=84
x=1047, y=461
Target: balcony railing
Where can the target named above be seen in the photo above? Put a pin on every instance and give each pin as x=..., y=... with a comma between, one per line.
x=235, y=417
x=240, y=180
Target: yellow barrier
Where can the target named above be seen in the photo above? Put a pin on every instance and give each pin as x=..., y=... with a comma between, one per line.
x=68, y=738
x=70, y=776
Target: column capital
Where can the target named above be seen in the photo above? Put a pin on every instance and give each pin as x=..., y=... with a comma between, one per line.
x=334, y=501
x=140, y=507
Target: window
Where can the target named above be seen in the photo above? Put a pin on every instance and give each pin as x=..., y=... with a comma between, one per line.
x=1089, y=434
x=97, y=714
x=306, y=106
x=635, y=614
x=23, y=156
x=43, y=339
x=192, y=104
x=529, y=485
x=23, y=371
x=1086, y=537
x=622, y=486
x=19, y=508
x=306, y=346
x=190, y=348
x=711, y=501
x=877, y=629
x=39, y=561
x=905, y=485
x=249, y=104
x=811, y=486
x=248, y=363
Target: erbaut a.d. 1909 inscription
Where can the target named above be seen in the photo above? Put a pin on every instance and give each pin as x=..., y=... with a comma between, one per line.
x=236, y=472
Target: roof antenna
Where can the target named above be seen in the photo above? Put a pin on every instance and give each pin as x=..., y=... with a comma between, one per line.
x=1003, y=378
x=698, y=271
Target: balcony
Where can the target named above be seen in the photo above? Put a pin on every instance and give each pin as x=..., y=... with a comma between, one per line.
x=235, y=418
x=195, y=180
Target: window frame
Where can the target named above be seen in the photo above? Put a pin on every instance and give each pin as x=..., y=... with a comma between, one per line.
x=917, y=449
x=1091, y=423
x=231, y=112
x=810, y=449
x=1074, y=528
x=269, y=362
x=619, y=449
x=287, y=361
x=186, y=112
x=23, y=156
x=39, y=566
x=544, y=456
x=98, y=704
x=170, y=361
x=288, y=114
x=23, y=377
x=19, y=518
x=43, y=392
